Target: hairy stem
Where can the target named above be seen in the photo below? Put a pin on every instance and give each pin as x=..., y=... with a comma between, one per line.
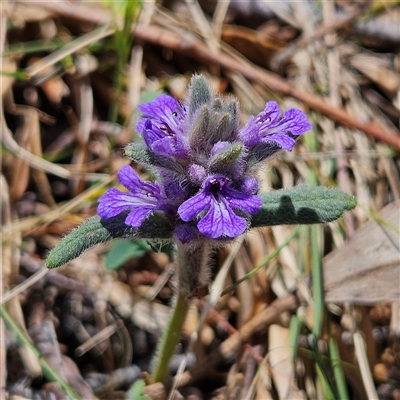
x=170, y=338
x=192, y=272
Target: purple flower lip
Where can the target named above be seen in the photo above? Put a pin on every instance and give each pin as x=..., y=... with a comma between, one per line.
x=269, y=126
x=219, y=201
x=161, y=127
x=142, y=200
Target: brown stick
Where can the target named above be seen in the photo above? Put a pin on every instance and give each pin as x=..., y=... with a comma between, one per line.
x=287, y=52
x=189, y=45
x=194, y=48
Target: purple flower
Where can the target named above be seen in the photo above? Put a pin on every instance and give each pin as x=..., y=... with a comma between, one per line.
x=142, y=200
x=161, y=127
x=270, y=127
x=219, y=200
x=204, y=163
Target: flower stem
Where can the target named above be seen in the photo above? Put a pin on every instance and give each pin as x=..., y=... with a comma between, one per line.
x=192, y=271
x=170, y=338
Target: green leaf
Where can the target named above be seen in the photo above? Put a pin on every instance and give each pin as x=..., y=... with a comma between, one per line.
x=96, y=231
x=122, y=250
x=302, y=205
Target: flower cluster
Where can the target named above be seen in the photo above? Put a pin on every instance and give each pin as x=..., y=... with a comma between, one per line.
x=204, y=163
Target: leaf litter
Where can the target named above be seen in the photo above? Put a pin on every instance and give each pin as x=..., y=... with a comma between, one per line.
x=97, y=328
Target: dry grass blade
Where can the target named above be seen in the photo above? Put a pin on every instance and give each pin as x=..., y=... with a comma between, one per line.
x=320, y=32
x=24, y=285
x=280, y=360
x=366, y=374
x=28, y=157
x=68, y=49
x=80, y=155
x=187, y=44
x=377, y=70
x=98, y=338
x=10, y=268
x=231, y=346
x=63, y=132
x=28, y=224
x=334, y=95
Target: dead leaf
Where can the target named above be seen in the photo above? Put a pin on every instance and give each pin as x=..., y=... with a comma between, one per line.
x=366, y=269
x=258, y=48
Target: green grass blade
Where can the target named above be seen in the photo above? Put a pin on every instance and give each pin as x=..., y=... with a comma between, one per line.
x=338, y=370
x=262, y=265
x=47, y=369
x=329, y=391
x=317, y=282
x=294, y=329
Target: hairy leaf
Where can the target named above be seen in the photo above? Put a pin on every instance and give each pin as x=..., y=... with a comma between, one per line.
x=96, y=231
x=299, y=205
x=302, y=205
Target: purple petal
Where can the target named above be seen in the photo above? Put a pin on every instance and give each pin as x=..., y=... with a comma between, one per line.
x=249, y=185
x=282, y=139
x=170, y=146
x=162, y=127
x=249, y=134
x=271, y=113
x=267, y=126
x=295, y=122
x=159, y=106
x=129, y=179
x=114, y=202
x=150, y=133
x=163, y=108
x=142, y=200
x=173, y=190
x=221, y=221
x=137, y=215
x=242, y=201
x=167, y=143
x=186, y=233
x=196, y=204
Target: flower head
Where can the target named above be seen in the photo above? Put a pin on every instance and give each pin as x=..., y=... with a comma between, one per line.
x=203, y=161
